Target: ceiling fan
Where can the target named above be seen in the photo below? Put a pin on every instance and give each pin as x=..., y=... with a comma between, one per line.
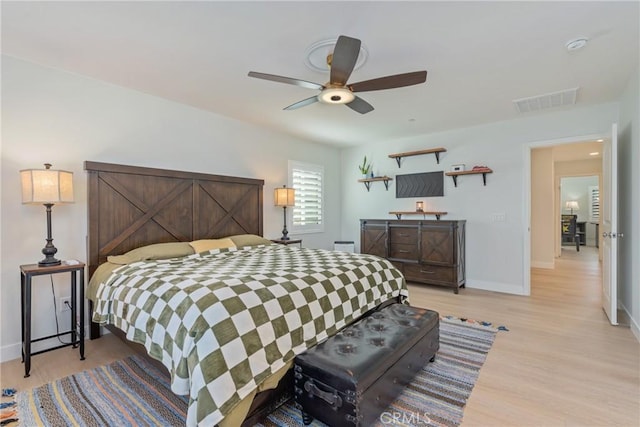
x=337, y=91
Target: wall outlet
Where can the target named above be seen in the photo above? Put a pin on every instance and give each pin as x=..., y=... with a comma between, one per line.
x=62, y=304
x=499, y=217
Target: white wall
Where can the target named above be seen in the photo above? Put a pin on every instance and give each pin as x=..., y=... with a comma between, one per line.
x=64, y=119
x=629, y=198
x=495, y=250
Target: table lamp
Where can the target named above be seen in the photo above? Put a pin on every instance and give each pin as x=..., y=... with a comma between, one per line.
x=48, y=187
x=572, y=204
x=284, y=197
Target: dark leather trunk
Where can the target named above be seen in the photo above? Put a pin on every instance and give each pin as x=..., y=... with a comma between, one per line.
x=352, y=377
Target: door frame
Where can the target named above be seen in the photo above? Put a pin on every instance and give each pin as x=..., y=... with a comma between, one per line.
x=526, y=191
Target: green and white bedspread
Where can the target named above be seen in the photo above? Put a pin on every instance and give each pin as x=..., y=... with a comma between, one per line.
x=223, y=321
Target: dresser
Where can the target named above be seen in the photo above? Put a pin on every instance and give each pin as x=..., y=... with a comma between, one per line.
x=427, y=251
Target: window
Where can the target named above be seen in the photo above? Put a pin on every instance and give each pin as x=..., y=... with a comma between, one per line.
x=594, y=203
x=308, y=213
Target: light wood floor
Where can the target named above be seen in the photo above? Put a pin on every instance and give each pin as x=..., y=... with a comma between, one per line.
x=560, y=363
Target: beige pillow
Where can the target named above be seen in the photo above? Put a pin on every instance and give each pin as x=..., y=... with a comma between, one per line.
x=242, y=240
x=155, y=251
x=209, y=244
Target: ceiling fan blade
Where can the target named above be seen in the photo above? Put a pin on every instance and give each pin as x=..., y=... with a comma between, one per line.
x=345, y=55
x=360, y=105
x=302, y=103
x=390, y=82
x=288, y=80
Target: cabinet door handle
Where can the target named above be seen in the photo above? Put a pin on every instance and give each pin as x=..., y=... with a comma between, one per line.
x=427, y=272
x=403, y=251
x=402, y=234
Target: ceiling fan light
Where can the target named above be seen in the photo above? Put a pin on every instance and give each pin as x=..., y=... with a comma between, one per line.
x=336, y=96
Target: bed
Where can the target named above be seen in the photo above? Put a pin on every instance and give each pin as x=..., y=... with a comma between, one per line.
x=264, y=303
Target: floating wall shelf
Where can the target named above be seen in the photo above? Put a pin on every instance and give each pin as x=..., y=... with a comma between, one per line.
x=399, y=214
x=483, y=171
x=367, y=181
x=436, y=151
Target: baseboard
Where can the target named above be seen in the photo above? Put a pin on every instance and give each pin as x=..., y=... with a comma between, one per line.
x=506, y=288
x=635, y=329
x=546, y=265
x=14, y=351
x=10, y=352
x=633, y=325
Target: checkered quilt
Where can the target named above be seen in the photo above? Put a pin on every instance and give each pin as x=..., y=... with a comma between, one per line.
x=223, y=321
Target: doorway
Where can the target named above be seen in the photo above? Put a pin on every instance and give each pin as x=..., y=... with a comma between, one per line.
x=549, y=162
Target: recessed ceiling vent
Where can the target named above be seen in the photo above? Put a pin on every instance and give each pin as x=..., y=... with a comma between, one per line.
x=548, y=100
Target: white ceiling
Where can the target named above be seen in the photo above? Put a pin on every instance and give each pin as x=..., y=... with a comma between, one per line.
x=480, y=56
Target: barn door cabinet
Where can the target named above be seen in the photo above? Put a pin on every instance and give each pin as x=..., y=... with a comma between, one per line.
x=430, y=252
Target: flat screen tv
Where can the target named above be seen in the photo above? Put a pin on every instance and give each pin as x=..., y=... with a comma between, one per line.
x=426, y=184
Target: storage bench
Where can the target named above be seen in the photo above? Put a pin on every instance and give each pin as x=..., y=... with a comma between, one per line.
x=353, y=376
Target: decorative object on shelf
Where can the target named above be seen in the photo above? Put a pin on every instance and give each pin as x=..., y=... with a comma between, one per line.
x=424, y=214
x=48, y=187
x=284, y=197
x=365, y=168
x=420, y=206
x=436, y=151
x=367, y=181
x=572, y=205
x=475, y=171
x=457, y=168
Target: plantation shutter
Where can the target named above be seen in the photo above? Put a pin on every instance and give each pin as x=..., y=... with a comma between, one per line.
x=307, y=180
x=594, y=203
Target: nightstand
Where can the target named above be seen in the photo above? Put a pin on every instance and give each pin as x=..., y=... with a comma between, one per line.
x=27, y=272
x=288, y=242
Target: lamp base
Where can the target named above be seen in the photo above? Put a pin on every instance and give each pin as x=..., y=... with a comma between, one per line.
x=284, y=229
x=49, y=250
x=49, y=261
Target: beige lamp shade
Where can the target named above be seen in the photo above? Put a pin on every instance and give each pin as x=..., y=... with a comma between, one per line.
x=46, y=186
x=572, y=204
x=284, y=196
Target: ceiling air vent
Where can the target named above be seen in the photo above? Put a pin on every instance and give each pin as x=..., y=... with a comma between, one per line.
x=548, y=100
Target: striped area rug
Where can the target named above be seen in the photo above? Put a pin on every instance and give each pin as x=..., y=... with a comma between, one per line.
x=131, y=392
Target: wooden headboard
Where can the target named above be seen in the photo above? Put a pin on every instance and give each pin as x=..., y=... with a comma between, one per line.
x=130, y=206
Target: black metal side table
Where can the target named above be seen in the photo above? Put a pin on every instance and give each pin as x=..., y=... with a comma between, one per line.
x=27, y=272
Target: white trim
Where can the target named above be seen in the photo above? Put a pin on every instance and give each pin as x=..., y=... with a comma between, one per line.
x=507, y=288
x=10, y=352
x=633, y=325
x=526, y=220
x=545, y=265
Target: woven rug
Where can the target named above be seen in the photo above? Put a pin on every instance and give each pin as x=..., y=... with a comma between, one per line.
x=132, y=392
